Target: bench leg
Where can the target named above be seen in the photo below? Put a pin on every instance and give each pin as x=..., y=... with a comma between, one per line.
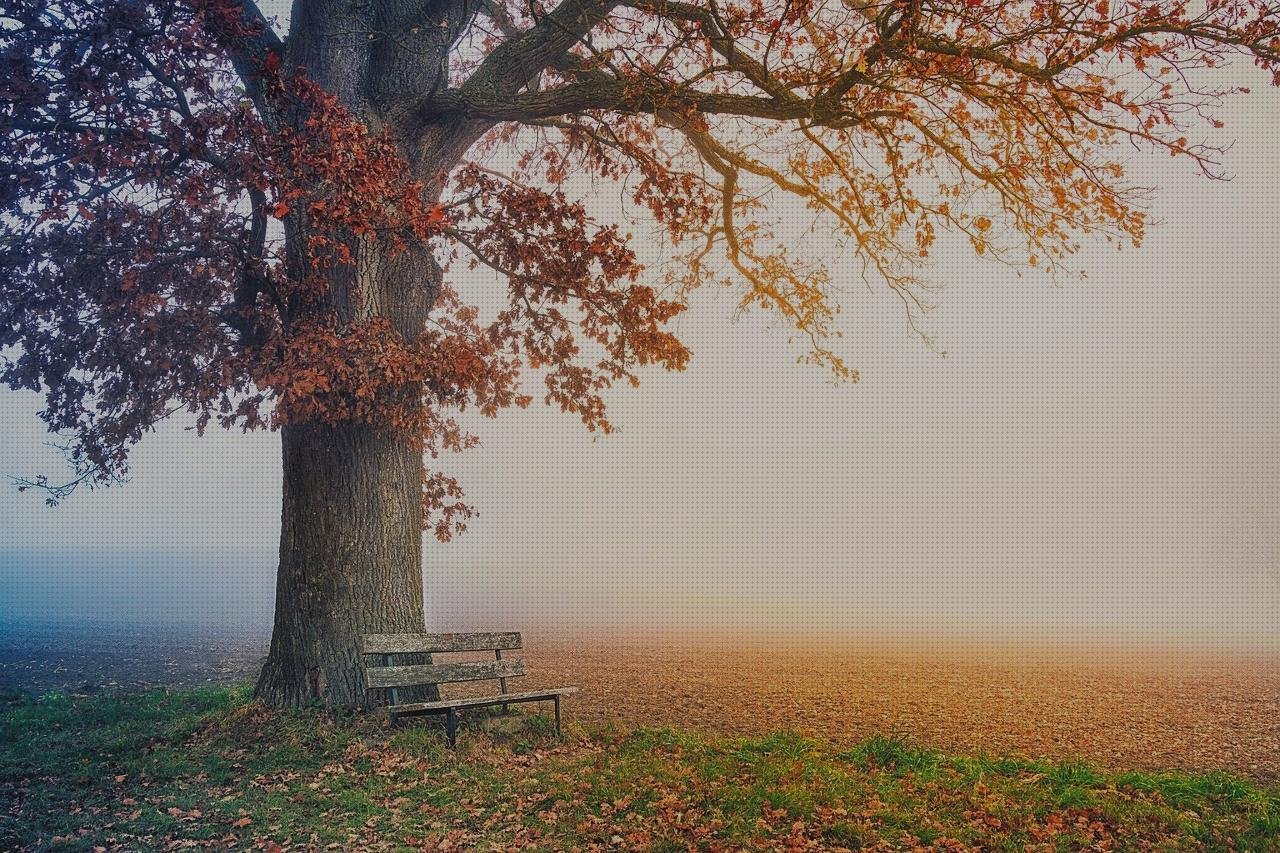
x=451, y=727
x=502, y=682
x=558, y=717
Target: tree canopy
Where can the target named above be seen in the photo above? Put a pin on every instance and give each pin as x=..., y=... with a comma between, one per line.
x=182, y=205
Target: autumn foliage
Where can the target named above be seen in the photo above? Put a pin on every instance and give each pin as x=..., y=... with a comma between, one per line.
x=189, y=224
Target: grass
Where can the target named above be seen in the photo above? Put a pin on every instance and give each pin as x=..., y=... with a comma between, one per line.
x=208, y=767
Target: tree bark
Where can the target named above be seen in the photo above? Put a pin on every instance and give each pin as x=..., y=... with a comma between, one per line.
x=351, y=521
x=350, y=560
x=351, y=525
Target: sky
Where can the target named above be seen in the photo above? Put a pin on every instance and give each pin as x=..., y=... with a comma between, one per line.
x=1093, y=460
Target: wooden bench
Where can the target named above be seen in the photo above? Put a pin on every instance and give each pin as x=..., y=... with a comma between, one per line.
x=389, y=676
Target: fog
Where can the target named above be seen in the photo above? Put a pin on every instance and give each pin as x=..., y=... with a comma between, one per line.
x=1093, y=460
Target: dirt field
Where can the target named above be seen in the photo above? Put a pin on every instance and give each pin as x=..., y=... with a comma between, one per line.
x=1118, y=710
x=1115, y=710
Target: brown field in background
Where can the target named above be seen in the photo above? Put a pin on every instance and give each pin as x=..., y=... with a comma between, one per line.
x=1115, y=707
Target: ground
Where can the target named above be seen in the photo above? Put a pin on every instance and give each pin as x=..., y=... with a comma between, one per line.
x=1115, y=708
x=207, y=768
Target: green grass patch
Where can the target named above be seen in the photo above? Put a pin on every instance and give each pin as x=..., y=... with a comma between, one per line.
x=165, y=768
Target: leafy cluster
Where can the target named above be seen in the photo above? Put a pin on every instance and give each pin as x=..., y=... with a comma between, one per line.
x=149, y=261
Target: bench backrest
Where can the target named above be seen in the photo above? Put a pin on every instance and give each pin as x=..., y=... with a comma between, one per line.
x=389, y=674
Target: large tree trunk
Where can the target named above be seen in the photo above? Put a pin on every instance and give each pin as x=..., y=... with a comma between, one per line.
x=351, y=523
x=350, y=559
x=351, y=528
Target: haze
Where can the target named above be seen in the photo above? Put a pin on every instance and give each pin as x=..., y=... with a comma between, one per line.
x=1093, y=461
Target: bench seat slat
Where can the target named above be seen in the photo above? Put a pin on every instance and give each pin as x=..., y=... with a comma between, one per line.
x=505, y=698
x=393, y=644
x=441, y=673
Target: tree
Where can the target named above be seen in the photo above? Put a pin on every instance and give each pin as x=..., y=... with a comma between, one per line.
x=201, y=214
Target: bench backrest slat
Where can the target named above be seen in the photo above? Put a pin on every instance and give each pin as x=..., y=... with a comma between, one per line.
x=441, y=673
x=394, y=644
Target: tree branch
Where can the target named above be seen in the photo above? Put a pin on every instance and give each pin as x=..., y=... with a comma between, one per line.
x=248, y=40
x=519, y=60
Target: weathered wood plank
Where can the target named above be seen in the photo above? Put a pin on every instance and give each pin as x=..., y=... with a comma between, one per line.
x=441, y=673
x=477, y=701
x=393, y=644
